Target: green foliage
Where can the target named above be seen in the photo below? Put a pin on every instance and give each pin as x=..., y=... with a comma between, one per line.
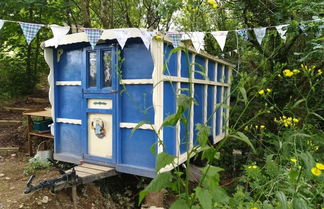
x=36, y=164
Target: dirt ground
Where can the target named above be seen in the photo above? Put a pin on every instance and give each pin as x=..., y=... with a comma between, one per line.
x=112, y=193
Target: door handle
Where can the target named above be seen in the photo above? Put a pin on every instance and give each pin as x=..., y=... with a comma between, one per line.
x=113, y=92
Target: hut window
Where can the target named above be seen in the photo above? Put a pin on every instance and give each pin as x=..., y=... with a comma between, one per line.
x=107, y=68
x=92, y=69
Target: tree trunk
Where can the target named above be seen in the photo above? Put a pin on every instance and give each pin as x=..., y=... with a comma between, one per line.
x=85, y=9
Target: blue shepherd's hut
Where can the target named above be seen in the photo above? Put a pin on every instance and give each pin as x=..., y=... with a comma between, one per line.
x=99, y=95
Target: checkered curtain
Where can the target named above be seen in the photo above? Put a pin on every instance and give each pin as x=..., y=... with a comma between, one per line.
x=93, y=35
x=30, y=30
x=175, y=38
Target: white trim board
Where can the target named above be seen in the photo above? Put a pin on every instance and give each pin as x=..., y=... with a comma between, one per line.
x=68, y=83
x=195, y=81
x=69, y=121
x=133, y=125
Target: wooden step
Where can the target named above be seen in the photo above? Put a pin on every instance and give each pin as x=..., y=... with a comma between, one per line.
x=16, y=109
x=38, y=100
x=9, y=122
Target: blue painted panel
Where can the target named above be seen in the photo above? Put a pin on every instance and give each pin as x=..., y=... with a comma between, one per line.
x=218, y=111
x=170, y=60
x=219, y=72
x=69, y=138
x=225, y=117
x=138, y=63
x=200, y=70
x=69, y=102
x=211, y=70
x=185, y=64
x=70, y=65
x=137, y=104
x=226, y=74
x=135, y=149
x=169, y=107
x=198, y=109
x=210, y=106
x=183, y=129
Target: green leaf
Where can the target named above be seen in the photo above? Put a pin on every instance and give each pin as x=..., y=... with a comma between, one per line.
x=299, y=204
x=317, y=115
x=179, y=204
x=163, y=180
x=203, y=133
x=204, y=197
x=171, y=120
x=281, y=197
x=244, y=95
x=162, y=160
x=241, y=136
x=141, y=123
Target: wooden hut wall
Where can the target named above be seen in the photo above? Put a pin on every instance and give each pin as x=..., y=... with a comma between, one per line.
x=210, y=88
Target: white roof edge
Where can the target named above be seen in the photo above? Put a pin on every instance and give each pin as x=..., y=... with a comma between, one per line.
x=107, y=34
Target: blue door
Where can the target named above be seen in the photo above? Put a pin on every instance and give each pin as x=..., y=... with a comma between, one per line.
x=100, y=101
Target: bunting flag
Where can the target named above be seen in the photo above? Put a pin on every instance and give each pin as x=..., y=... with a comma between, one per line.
x=30, y=30
x=59, y=32
x=146, y=37
x=1, y=23
x=175, y=39
x=93, y=35
x=121, y=36
x=197, y=39
x=260, y=33
x=282, y=29
x=243, y=33
x=220, y=36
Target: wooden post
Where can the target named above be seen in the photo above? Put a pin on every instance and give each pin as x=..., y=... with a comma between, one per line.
x=30, y=144
x=74, y=196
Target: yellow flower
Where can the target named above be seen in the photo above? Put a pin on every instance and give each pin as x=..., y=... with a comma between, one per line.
x=269, y=90
x=254, y=166
x=284, y=117
x=299, y=167
x=296, y=71
x=157, y=37
x=288, y=73
x=261, y=92
x=320, y=166
x=256, y=126
x=316, y=148
x=319, y=72
x=212, y=3
x=262, y=126
x=279, y=75
x=316, y=171
x=294, y=160
x=254, y=208
x=295, y=120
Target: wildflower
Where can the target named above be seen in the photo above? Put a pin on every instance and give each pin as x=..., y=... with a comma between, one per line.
x=246, y=128
x=275, y=120
x=294, y=160
x=316, y=172
x=316, y=148
x=279, y=75
x=157, y=37
x=254, y=208
x=256, y=126
x=262, y=126
x=261, y=92
x=299, y=167
x=296, y=71
x=319, y=166
x=212, y=3
x=252, y=167
x=319, y=72
x=295, y=120
x=269, y=90
x=288, y=73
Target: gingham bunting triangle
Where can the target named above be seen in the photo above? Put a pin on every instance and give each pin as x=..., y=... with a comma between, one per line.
x=1, y=23
x=30, y=30
x=175, y=38
x=93, y=36
x=243, y=33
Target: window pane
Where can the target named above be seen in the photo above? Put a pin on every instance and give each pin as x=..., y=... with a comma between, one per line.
x=92, y=69
x=107, y=68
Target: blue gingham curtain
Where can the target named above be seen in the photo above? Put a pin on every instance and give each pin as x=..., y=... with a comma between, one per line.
x=30, y=30
x=243, y=33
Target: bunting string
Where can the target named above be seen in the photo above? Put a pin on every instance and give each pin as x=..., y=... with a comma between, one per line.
x=30, y=30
